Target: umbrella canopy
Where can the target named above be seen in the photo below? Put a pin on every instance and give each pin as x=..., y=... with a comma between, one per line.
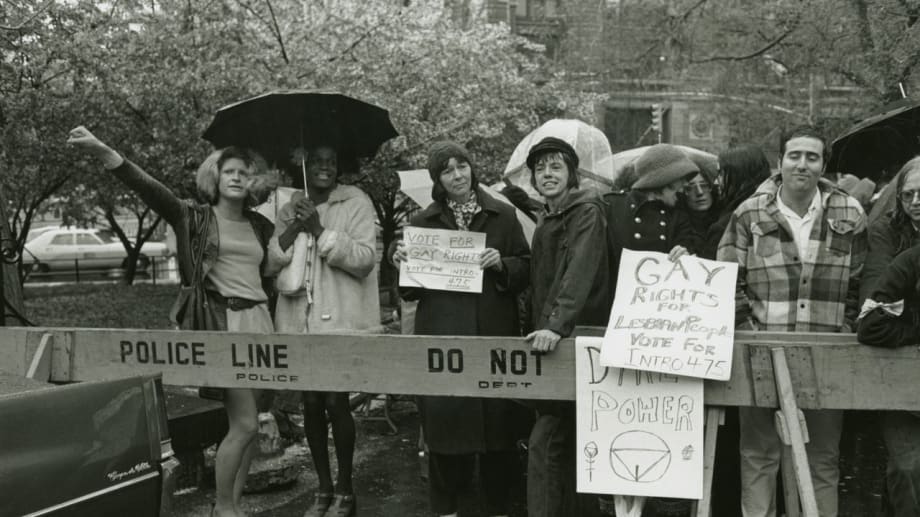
x=417, y=185
x=882, y=141
x=708, y=163
x=595, y=168
x=278, y=122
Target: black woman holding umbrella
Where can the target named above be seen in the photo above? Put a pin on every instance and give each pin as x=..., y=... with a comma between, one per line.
x=222, y=250
x=338, y=293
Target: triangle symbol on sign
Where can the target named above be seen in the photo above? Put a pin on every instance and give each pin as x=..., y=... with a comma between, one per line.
x=641, y=465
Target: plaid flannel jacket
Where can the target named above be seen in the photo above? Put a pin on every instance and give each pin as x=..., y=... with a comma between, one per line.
x=779, y=290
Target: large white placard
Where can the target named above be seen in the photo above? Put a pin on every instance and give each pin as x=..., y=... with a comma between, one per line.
x=672, y=317
x=447, y=260
x=638, y=433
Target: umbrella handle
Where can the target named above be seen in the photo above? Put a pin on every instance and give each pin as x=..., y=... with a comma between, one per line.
x=303, y=168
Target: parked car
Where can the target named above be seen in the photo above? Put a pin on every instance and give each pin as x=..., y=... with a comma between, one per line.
x=35, y=232
x=67, y=248
x=89, y=448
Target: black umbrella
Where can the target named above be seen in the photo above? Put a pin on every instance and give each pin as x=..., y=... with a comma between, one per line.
x=883, y=141
x=275, y=123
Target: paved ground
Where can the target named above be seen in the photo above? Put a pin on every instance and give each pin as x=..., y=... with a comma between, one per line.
x=389, y=484
x=387, y=478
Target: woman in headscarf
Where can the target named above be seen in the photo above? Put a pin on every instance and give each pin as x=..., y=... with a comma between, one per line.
x=457, y=429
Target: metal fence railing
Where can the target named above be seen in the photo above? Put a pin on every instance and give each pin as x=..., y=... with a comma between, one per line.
x=151, y=269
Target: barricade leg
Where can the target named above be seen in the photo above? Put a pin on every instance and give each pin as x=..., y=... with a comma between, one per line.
x=715, y=416
x=792, y=431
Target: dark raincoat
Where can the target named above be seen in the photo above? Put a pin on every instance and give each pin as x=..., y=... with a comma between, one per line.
x=462, y=425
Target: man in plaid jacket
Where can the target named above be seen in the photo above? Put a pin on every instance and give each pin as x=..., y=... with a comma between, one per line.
x=800, y=244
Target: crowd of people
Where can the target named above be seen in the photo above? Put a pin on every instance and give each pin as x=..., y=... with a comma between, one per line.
x=809, y=260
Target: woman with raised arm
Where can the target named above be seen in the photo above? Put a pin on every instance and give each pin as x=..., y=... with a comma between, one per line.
x=221, y=245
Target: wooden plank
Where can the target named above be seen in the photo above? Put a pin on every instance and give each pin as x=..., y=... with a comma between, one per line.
x=790, y=490
x=796, y=433
x=40, y=366
x=714, y=418
x=14, y=353
x=838, y=372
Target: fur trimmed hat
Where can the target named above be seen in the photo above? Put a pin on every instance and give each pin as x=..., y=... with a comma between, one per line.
x=661, y=165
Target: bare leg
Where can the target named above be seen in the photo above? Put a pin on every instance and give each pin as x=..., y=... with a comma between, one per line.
x=343, y=433
x=243, y=472
x=244, y=425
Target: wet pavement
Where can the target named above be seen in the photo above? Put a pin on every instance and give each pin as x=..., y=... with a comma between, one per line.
x=388, y=478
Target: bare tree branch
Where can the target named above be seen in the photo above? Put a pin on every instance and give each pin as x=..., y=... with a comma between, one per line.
x=692, y=8
x=277, y=32
x=863, y=26
x=351, y=47
x=30, y=19
x=763, y=50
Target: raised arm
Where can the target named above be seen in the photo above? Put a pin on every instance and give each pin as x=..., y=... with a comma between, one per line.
x=159, y=198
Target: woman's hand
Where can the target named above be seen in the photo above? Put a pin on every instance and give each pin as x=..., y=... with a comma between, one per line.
x=305, y=214
x=677, y=252
x=543, y=340
x=491, y=258
x=82, y=139
x=400, y=254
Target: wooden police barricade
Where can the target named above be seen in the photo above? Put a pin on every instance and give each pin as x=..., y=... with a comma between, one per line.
x=776, y=370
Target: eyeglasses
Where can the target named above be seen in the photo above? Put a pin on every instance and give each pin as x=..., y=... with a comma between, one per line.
x=690, y=188
x=908, y=196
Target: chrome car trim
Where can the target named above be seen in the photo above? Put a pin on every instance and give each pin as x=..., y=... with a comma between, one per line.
x=95, y=494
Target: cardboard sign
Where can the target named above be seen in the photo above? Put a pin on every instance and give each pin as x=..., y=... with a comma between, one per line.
x=638, y=433
x=446, y=260
x=672, y=317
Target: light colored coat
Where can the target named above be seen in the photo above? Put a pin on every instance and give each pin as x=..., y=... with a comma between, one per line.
x=344, y=273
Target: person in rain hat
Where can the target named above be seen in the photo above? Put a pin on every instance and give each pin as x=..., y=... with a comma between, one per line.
x=569, y=278
x=646, y=217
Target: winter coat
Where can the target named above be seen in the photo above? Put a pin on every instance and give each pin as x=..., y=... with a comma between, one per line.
x=637, y=223
x=780, y=291
x=344, y=272
x=886, y=241
x=187, y=219
x=891, y=315
x=460, y=425
x=569, y=274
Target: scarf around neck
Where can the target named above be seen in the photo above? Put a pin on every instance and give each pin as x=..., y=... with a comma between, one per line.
x=464, y=212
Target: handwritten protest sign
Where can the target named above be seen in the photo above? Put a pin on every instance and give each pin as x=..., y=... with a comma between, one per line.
x=638, y=433
x=672, y=317
x=442, y=259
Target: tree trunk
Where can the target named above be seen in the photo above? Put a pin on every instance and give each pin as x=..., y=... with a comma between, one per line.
x=13, y=308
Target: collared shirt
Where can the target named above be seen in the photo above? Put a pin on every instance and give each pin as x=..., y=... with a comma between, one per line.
x=801, y=225
x=778, y=287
